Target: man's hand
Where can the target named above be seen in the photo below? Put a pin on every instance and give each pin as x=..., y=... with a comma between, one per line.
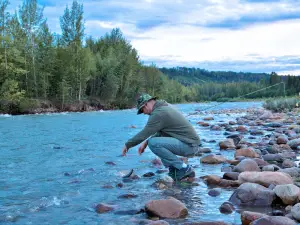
x=142, y=147
x=124, y=150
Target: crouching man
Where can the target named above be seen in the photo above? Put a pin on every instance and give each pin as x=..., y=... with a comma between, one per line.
x=168, y=134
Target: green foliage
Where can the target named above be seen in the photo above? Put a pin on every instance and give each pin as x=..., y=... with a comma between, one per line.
x=39, y=66
x=282, y=104
x=190, y=76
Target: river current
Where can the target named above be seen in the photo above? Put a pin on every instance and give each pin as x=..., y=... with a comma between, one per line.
x=54, y=168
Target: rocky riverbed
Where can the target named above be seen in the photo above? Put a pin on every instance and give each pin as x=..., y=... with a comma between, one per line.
x=264, y=173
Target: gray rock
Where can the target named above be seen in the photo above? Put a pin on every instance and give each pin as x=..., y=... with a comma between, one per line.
x=251, y=194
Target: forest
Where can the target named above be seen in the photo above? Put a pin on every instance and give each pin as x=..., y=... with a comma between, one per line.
x=72, y=71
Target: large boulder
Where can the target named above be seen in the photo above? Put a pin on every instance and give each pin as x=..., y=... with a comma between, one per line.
x=213, y=159
x=250, y=194
x=274, y=220
x=246, y=165
x=166, y=208
x=288, y=193
x=265, y=178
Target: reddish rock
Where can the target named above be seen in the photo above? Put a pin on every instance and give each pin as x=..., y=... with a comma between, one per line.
x=274, y=220
x=208, y=118
x=166, y=208
x=247, y=217
x=247, y=152
x=103, y=208
x=227, y=144
x=213, y=159
x=241, y=129
x=265, y=178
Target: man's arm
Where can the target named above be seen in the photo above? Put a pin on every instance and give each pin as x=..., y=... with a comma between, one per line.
x=153, y=126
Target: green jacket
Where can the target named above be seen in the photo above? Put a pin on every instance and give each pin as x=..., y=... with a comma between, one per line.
x=165, y=121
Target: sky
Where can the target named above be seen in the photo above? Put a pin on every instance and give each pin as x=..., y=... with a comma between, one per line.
x=218, y=35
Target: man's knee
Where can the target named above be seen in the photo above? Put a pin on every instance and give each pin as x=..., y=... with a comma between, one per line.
x=153, y=143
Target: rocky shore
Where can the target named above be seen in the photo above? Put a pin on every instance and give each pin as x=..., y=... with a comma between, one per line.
x=264, y=173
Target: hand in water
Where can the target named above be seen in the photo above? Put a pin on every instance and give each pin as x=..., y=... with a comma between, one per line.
x=124, y=150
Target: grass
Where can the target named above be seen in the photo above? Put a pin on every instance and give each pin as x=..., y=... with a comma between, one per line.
x=282, y=104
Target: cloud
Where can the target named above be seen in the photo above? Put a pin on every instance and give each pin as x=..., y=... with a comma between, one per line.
x=240, y=35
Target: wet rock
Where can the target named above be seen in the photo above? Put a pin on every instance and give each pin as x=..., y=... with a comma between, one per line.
x=226, y=169
x=272, y=157
x=274, y=124
x=265, y=178
x=247, y=217
x=108, y=186
x=288, y=155
x=67, y=174
x=256, y=132
x=260, y=162
x=212, y=179
x=242, y=129
x=208, y=118
x=127, y=196
x=288, y=193
x=287, y=163
x=216, y=128
x=233, y=162
x=207, y=223
x=166, y=208
x=294, y=143
x=226, y=208
x=203, y=124
x=228, y=183
x=231, y=122
x=204, y=150
x=274, y=220
x=120, y=185
x=213, y=159
x=277, y=213
x=291, y=133
x=103, y=208
x=227, y=144
x=110, y=163
x=293, y=172
x=158, y=222
x=295, y=210
x=231, y=175
x=157, y=162
x=270, y=168
x=236, y=138
x=246, y=165
x=161, y=171
x=250, y=194
x=130, y=212
x=164, y=183
x=149, y=174
x=282, y=140
x=247, y=152
x=214, y=192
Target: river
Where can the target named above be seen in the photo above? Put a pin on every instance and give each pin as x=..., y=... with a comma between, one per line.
x=54, y=167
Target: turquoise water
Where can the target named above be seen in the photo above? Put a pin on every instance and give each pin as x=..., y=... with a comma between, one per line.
x=53, y=168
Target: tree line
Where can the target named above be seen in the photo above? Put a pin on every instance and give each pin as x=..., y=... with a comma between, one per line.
x=70, y=71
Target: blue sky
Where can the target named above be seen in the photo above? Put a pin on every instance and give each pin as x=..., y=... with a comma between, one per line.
x=237, y=35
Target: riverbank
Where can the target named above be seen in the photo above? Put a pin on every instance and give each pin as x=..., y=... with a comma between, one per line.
x=28, y=107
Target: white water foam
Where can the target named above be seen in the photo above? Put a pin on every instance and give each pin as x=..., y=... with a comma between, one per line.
x=5, y=115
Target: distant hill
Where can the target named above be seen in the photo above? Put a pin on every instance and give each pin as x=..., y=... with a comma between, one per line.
x=189, y=76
